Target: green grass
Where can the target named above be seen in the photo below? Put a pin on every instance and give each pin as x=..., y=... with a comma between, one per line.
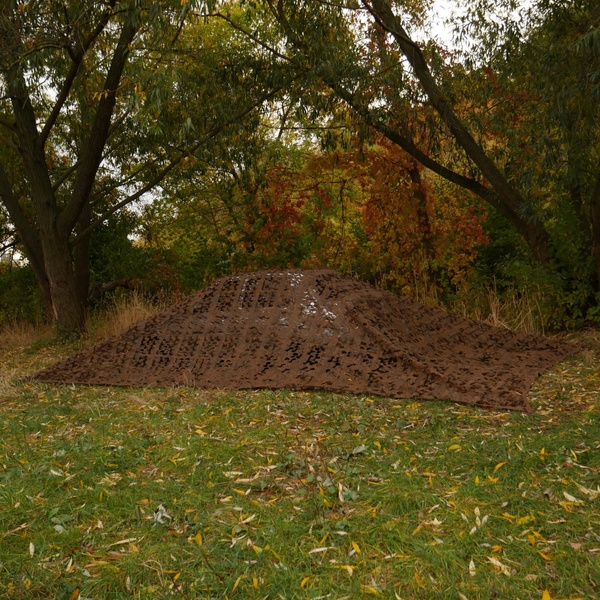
x=278, y=494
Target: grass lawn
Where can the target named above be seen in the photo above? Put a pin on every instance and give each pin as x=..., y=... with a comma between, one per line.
x=151, y=493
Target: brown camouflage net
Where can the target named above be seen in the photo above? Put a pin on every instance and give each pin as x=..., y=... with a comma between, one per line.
x=318, y=329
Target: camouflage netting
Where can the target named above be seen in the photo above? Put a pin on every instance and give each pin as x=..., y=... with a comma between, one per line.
x=317, y=330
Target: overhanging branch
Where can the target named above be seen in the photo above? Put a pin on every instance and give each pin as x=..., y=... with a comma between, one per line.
x=92, y=156
x=77, y=57
x=174, y=162
x=8, y=246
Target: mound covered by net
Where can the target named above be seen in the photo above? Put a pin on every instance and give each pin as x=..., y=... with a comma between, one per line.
x=317, y=329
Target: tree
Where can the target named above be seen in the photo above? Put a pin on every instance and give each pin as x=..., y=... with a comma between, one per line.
x=541, y=122
x=99, y=104
x=435, y=109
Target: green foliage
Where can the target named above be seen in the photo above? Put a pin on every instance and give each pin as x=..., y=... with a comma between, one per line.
x=505, y=267
x=19, y=296
x=114, y=253
x=533, y=79
x=217, y=122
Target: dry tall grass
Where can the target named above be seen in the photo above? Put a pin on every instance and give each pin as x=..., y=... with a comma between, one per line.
x=18, y=338
x=16, y=335
x=122, y=314
x=127, y=310
x=518, y=313
x=15, y=338
x=514, y=311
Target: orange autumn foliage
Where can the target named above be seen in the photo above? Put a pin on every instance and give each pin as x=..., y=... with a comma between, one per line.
x=369, y=211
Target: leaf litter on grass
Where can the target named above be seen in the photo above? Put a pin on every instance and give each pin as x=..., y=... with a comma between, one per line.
x=148, y=493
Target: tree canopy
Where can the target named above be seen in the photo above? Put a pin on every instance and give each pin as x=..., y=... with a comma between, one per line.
x=268, y=133
x=101, y=103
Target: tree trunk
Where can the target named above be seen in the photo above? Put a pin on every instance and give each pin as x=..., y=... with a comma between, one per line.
x=37, y=266
x=81, y=257
x=424, y=226
x=68, y=311
x=595, y=222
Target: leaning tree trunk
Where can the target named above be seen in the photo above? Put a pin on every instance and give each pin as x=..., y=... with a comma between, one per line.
x=67, y=307
x=37, y=266
x=513, y=205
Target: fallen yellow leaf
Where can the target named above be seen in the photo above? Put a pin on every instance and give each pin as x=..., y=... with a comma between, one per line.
x=356, y=547
x=572, y=499
x=304, y=582
x=499, y=466
x=527, y=519
x=74, y=594
x=237, y=582
x=502, y=567
x=368, y=589
x=197, y=539
x=568, y=505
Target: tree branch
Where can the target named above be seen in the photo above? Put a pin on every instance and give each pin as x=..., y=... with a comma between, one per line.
x=31, y=152
x=68, y=172
x=253, y=37
x=174, y=162
x=92, y=155
x=409, y=146
x=511, y=201
x=8, y=246
x=27, y=234
x=10, y=126
x=388, y=21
